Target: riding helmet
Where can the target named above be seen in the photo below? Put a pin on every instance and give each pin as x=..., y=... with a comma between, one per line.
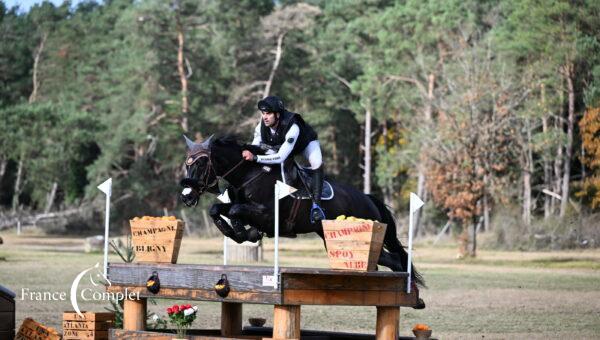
x=271, y=104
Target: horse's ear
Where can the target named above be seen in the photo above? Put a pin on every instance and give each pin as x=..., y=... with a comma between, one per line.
x=206, y=143
x=190, y=144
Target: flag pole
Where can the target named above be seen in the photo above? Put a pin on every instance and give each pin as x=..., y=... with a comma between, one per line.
x=415, y=204
x=106, y=188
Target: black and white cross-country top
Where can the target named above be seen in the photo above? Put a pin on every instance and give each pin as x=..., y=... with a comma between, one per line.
x=290, y=138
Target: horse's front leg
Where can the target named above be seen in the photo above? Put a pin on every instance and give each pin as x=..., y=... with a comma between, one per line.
x=236, y=230
x=255, y=215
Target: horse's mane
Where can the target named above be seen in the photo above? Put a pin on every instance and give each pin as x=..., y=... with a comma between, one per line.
x=227, y=140
x=231, y=140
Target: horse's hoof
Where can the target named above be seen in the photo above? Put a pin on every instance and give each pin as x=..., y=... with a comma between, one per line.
x=254, y=235
x=420, y=304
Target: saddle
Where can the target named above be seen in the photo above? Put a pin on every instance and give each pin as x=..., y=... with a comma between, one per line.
x=301, y=178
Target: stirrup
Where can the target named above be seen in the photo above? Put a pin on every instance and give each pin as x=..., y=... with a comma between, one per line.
x=316, y=214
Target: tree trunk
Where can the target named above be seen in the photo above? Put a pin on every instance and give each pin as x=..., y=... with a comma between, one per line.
x=486, y=211
x=278, y=53
x=51, y=197
x=526, y=214
x=421, y=194
x=558, y=125
x=181, y=71
x=367, y=164
x=3, y=164
x=473, y=248
x=421, y=180
x=17, y=193
x=463, y=241
x=545, y=158
x=527, y=171
x=36, y=62
x=569, y=146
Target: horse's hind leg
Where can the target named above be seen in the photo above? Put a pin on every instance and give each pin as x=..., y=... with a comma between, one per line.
x=234, y=231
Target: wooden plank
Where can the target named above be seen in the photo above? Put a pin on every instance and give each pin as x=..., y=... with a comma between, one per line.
x=353, y=230
x=32, y=330
x=89, y=316
x=231, y=319
x=352, y=265
x=348, y=298
x=134, y=315
x=190, y=276
x=327, y=271
x=73, y=334
x=86, y=325
x=202, y=294
x=202, y=335
x=286, y=322
x=354, y=244
x=202, y=267
x=342, y=282
x=387, y=323
x=156, y=240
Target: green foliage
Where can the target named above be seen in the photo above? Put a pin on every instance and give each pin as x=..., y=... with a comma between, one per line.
x=437, y=77
x=125, y=251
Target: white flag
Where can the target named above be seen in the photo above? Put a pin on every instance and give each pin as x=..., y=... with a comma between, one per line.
x=106, y=187
x=224, y=197
x=415, y=203
x=283, y=189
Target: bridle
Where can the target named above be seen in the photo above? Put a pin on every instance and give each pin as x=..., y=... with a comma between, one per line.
x=211, y=168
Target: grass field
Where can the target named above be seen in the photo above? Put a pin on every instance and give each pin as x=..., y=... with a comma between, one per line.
x=498, y=295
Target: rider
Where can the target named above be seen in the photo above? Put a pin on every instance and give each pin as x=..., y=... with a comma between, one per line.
x=287, y=134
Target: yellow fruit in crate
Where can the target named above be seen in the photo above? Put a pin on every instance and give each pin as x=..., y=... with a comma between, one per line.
x=340, y=218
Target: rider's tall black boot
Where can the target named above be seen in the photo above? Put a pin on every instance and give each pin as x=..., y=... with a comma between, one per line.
x=316, y=212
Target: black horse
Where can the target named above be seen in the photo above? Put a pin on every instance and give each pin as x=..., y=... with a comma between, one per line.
x=251, y=190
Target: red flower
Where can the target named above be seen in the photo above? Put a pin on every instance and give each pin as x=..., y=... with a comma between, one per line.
x=175, y=309
x=188, y=306
x=170, y=310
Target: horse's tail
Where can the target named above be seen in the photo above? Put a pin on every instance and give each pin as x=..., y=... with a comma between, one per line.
x=391, y=241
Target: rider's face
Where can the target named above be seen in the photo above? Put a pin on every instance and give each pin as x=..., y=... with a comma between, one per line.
x=270, y=118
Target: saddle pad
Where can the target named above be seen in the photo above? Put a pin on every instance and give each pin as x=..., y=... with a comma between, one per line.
x=326, y=194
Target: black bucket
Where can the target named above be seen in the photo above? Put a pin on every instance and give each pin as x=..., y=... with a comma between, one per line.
x=7, y=313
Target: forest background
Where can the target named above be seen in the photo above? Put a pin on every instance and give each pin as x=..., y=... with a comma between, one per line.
x=488, y=110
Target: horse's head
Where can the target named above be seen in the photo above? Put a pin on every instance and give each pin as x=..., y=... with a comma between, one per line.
x=200, y=174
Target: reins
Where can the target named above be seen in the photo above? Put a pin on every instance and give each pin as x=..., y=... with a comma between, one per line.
x=217, y=177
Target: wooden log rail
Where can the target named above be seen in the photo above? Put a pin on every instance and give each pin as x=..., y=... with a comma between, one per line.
x=298, y=286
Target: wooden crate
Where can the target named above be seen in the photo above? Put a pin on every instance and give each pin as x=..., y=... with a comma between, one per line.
x=32, y=330
x=156, y=240
x=353, y=245
x=90, y=326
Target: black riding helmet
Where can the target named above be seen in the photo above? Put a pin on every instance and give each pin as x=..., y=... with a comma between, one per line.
x=271, y=104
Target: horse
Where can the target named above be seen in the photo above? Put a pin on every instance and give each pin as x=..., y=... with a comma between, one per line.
x=251, y=191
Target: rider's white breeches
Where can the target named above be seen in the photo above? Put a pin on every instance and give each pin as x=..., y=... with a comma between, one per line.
x=312, y=153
